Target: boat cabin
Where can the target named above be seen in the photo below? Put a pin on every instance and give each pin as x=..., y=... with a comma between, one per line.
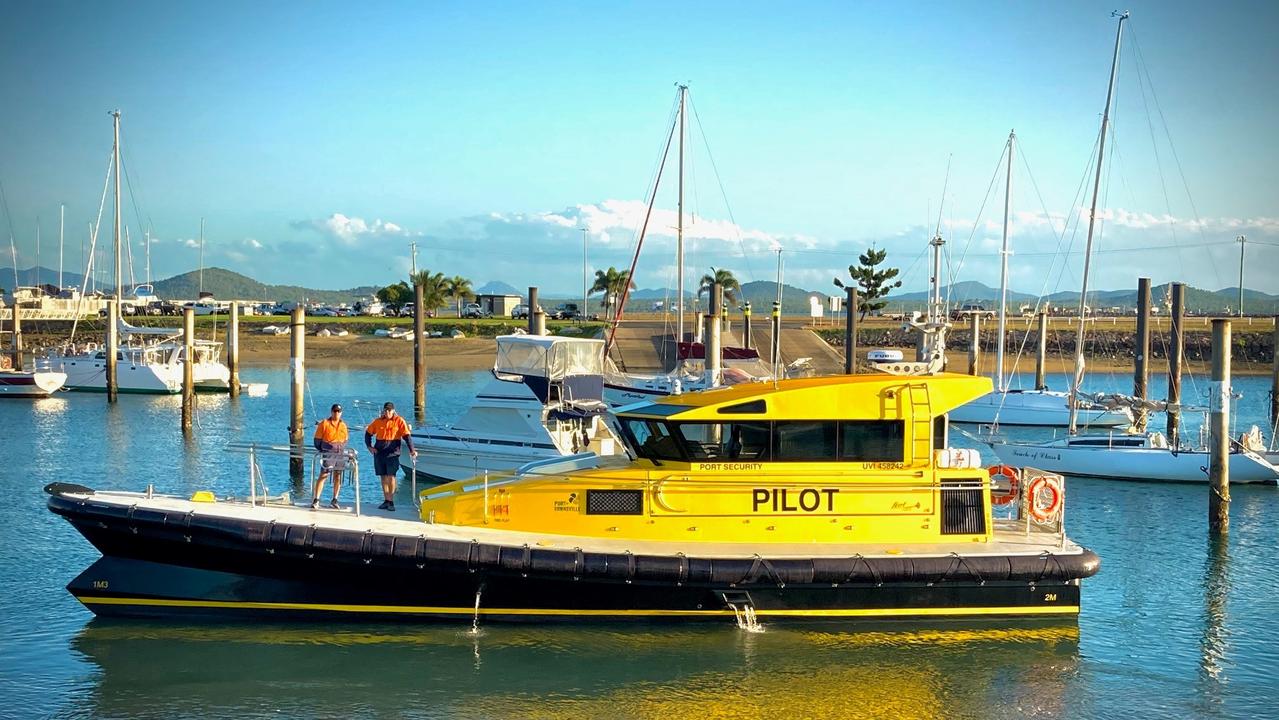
x=855, y=458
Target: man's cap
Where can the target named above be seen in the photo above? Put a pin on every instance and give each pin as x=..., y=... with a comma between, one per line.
x=388, y=406
x=335, y=408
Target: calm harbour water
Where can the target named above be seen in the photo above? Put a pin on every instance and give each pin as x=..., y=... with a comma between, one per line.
x=1171, y=627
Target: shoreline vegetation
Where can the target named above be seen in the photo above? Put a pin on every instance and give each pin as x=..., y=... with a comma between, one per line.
x=1110, y=349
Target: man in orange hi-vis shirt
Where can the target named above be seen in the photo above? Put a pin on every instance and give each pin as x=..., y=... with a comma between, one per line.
x=382, y=437
x=330, y=439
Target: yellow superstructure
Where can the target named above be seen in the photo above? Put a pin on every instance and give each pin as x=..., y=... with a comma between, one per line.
x=840, y=459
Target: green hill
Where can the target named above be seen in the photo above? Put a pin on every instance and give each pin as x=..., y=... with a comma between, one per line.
x=228, y=285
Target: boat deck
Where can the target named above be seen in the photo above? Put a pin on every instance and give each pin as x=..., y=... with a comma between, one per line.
x=1011, y=537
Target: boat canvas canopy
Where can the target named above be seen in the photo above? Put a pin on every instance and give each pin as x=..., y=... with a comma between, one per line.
x=553, y=358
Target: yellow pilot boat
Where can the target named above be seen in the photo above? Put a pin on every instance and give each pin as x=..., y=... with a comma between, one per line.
x=815, y=498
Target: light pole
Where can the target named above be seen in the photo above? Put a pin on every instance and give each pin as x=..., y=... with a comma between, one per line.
x=585, y=293
x=1242, y=241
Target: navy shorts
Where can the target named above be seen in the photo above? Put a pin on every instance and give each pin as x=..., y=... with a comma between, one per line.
x=384, y=465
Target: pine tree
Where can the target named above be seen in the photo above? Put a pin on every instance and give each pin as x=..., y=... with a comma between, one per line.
x=872, y=284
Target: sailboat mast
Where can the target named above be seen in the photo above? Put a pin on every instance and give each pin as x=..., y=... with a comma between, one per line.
x=201, y=292
x=1003, y=271
x=62, y=222
x=115, y=159
x=37, y=275
x=148, y=237
x=1092, y=221
x=679, y=227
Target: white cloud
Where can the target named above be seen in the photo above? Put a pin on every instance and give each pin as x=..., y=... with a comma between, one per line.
x=349, y=230
x=251, y=243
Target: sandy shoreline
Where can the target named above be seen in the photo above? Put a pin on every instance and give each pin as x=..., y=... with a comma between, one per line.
x=365, y=351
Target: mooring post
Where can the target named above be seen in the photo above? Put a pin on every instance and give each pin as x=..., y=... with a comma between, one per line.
x=532, y=310
x=775, y=346
x=850, y=330
x=15, y=347
x=723, y=314
x=746, y=325
x=1175, y=351
x=113, y=348
x=1041, y=355
x=1219, y=420
x=714, y=358
x=419, y=352
x=297, y=377
x=1141, y=354
x=233, y=348
x=188, y=369
x=1274, y=373
x=539, y=323
x=974, y=344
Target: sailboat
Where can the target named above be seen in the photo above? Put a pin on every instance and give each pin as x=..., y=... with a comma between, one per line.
x=1040, y=406
x=142, y=365
x=622, y=387
x=1145, y=456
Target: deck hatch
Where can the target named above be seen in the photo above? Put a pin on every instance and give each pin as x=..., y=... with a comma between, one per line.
x=961, y=507
x=614, y=502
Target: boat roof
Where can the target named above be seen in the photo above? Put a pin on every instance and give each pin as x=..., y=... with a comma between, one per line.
x=853, y=397
x=548, y=356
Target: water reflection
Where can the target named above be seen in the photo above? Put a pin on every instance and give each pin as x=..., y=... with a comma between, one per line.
x=620, y=671
x=1214, y=643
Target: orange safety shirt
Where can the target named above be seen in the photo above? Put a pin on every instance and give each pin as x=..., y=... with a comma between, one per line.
x=388, y=428
x=331, y=431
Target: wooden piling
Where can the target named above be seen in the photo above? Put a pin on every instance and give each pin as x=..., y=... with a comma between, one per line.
x=1141, y=364
x=746, y=327
x=532, y=310
x=775, y=346
x=1274, y=374
x=714, y=357
x=297, y=378
x=539, y=323
x=113, y=349
x=188, y=370
x=1041, y=355
x=15, y=347
x=419, y=352
x=1219, y=426
x=850, y=330
x=1175, y=355
x=974, y=344
x=233, y=349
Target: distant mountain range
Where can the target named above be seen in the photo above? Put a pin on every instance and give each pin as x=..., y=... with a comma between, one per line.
x=229, y=285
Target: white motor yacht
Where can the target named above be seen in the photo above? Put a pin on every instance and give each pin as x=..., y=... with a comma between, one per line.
x=545, y=401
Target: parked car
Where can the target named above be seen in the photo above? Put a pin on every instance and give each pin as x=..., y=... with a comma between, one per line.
x=474, y=310
x=520, y=312
x=566, y=311
x=969, y=310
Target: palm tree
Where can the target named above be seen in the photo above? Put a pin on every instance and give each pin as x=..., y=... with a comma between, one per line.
x=435, y=293
x=726, y=281
x=459, y=289
x=612, y=283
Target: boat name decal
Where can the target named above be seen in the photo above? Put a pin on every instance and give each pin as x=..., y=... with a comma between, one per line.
x=730, y=466
x=807, y=500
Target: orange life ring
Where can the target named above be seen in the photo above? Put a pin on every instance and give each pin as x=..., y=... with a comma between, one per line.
x=1009, y=473
x=1047, y=512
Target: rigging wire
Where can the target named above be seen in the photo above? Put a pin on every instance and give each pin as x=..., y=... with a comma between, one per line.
x=723, y=193
x=13, y=248
x=1142, y=66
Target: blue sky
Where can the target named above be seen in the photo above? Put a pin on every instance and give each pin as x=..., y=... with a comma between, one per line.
x=319, y=139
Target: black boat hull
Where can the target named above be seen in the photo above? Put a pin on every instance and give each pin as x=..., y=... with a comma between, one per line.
x=166, y=563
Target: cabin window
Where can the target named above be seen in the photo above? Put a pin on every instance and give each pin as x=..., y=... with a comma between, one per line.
x=744, y=440
x=804, y=441
x=652, y=439
x=754, y=407
x=939, y=432
x=871, y=440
